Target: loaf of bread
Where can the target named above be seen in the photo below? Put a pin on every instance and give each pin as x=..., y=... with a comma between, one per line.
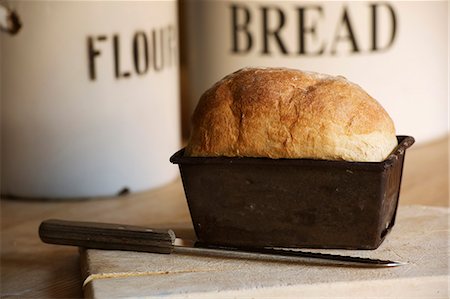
x=285, y=113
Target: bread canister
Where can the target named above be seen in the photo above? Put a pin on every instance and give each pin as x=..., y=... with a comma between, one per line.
x=89, y=97
x=396, y=50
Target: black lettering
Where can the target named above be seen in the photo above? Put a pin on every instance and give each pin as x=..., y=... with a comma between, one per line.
x=155, y=49
x=374, y=10
x=140, y=46
x=92, y=53
x=116, y=53
x=305, y=30
x=274, y=32
x=345, y=23
x=158, y=66
x=240, y=28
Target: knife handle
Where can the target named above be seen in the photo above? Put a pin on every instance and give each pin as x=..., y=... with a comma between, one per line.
x=106, y=236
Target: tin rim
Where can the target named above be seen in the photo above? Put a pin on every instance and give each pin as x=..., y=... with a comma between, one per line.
x=404, y=142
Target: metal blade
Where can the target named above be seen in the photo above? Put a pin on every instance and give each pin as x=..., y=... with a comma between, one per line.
x=188, y=246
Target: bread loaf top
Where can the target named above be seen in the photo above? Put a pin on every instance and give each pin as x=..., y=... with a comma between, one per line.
x=286, y=113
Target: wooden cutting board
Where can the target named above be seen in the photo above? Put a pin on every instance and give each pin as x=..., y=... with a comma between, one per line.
x=419, y=238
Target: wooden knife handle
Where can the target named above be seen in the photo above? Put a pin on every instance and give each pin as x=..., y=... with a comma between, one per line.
x=106, y=236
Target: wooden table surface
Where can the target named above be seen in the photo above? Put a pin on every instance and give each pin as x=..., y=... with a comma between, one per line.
x=30, y=268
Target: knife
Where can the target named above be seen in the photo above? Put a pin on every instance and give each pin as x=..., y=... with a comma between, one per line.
x=135, y=238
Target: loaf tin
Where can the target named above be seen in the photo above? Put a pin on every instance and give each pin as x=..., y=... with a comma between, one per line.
x=302, y=203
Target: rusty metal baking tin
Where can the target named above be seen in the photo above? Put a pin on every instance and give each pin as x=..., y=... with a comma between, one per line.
x=300, y=203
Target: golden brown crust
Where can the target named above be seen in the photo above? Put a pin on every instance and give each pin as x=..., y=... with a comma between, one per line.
x=285, y=113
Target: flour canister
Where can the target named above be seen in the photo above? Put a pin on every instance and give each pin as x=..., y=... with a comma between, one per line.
x=89, y=97
x=396, y=50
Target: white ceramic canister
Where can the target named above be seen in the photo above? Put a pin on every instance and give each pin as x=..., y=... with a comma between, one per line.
x=395, y=50
x=89, y=97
